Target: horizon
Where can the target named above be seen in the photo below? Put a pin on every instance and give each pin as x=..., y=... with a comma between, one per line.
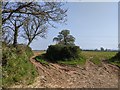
x=84, y=49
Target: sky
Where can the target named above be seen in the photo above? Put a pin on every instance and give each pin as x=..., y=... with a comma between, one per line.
x=93, y=24
x=62, y=0
x=119, y=25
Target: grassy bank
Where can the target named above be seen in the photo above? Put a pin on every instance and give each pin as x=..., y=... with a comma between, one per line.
x=17, y=69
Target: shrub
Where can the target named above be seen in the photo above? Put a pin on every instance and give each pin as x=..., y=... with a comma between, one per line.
x=116, y=59
x=62, y=52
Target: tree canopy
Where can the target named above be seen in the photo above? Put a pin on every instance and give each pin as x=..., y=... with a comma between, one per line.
x=64, y=38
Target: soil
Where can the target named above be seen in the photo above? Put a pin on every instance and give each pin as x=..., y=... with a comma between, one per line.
x=60, y=76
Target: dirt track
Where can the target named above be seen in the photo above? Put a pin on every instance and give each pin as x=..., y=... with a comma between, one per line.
x=89, y=76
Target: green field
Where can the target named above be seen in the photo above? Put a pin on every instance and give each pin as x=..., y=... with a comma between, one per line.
x=97, y=56
x=100, y=54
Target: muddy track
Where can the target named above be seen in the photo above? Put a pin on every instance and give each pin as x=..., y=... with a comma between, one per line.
x=89, y=76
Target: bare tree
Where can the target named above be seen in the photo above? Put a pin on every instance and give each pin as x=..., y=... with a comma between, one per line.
x=33, y=28
x=13, y=25
x=49, y=11
x=10, y=9
x=16, y=12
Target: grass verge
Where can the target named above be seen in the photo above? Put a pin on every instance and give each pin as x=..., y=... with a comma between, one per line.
x=41, y=59
x=73, y=62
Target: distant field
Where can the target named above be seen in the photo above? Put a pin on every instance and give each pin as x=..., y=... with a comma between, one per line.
x=39, y=51
x=97, y=56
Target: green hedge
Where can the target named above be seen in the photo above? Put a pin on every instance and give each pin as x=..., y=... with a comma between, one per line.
x=62, y=52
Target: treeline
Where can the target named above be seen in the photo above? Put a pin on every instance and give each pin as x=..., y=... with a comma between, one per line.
x=107, y=50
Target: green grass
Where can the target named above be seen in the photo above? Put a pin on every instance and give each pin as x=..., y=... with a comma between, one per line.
x=80, y=61
x=100, y=55
x=96, y=56
x=41, y=60
x=18, y=69
x=96, y=60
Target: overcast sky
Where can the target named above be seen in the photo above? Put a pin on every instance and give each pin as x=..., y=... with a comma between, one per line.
x=94, y=25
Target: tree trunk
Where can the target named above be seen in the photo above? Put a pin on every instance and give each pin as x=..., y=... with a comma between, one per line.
x=65, y=41
x=29, y=42
x=15, y=37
